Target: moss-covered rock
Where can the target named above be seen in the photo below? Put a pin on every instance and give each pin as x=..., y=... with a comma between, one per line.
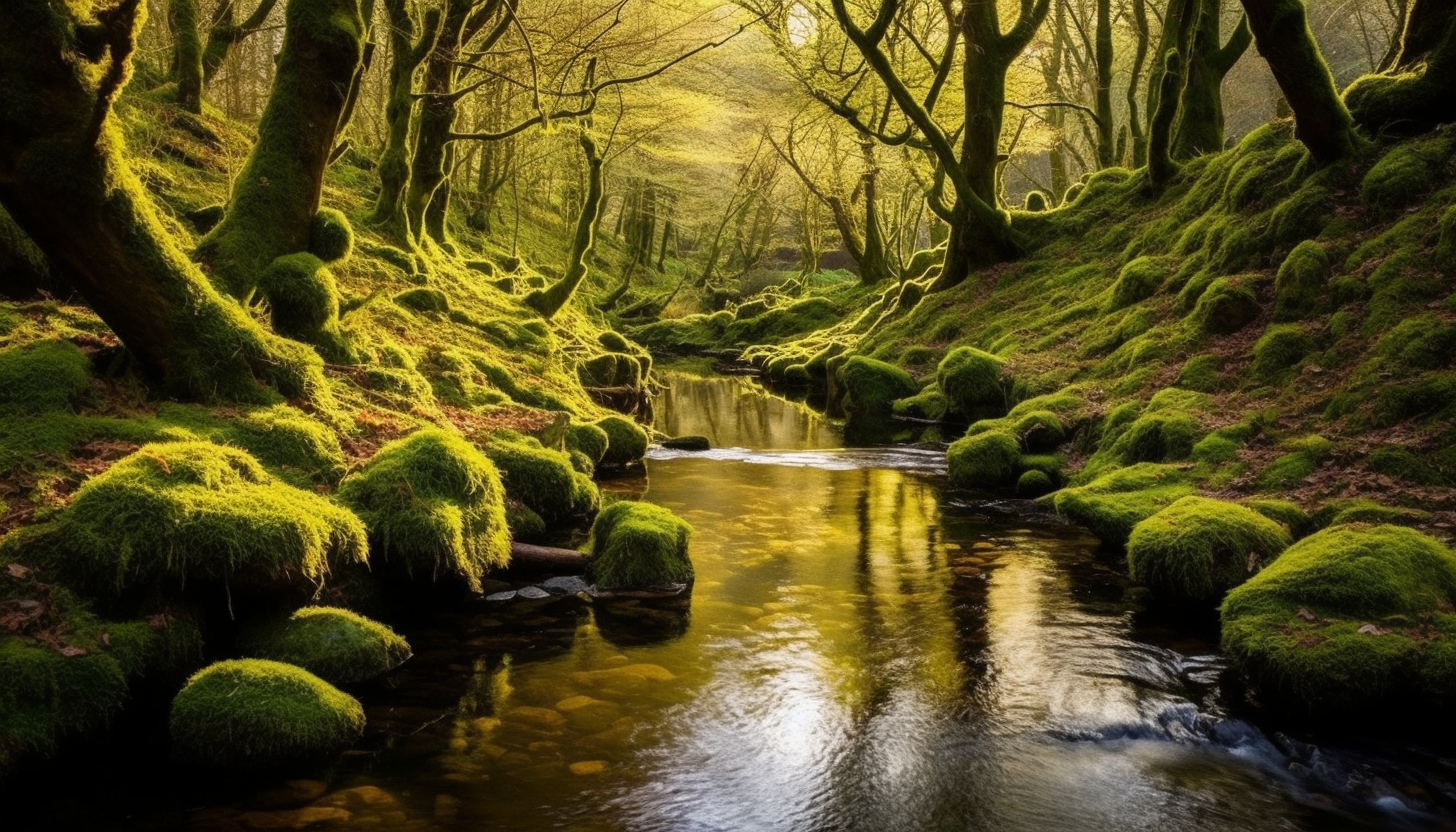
x=1279, y=351
x=974, y=382
x=1033, y=484
x=1225, y=307
x=587, y=439
x=626, y=441
x=303, y=297
x=984, y=460
x=871, y=388
x=1302, y=457
x=1040, y=431
x=330, y=236
x=638, y=546
x=1300, y=281
x=543, y=479
x=193, y=511
x=289, y=439
x=1113, y=504
x=610, y=370
x=41, y=377
x=434, y=505
x=424, y=299
x=929, y=403
x=1200, y=373
x=1355, y=620
x=337, y=645
x=1139, y=280
x=255, y=714
x=1285, y=513
x=1197, y=549
x=1157, y=437
x=1404, y=175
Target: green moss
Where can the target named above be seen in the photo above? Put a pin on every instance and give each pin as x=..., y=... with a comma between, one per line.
x=256, y=714
x=424, y=299
x=871, y=387
x=1432, y=394
x=615, y=342
x=1197, y=549
x=974, y=382
x=1406, y=465
x=1305, y=456
x=929, y=403
x=1301, y=279
x=797, y=375
x=44, y=376
x=1302, y=216
x=1349, y=621
x=1445, y=253
x=781, y=323
x=1363, y=511
x=1225, y=307
x=194, y=511
x=1200, y=373
x=1287, y=514
x=638, y=546
x=1138, y=280
x=543, y=479
x=286, y=438
x=610, y=370
x=1404, y=175
x=1420, y=342
x=303, y=301
x=589, y=440
x=983, y=460
x=434, y=505
x=1036, y=201
x=1279, y=351
x=1111, y=505
x=330, y=237
x=1157, y=437
x=1033, y=484
x=626, y=441
x=1040, y=431
x=337, y=645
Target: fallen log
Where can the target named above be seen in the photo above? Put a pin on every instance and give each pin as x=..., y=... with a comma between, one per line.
x=527, y=557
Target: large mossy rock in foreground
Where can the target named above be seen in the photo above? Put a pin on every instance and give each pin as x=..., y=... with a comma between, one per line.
x=543, y=479
x=339, y=646
x=1197, y=549
x=639, y=546
x=1351, y=621
x=254, y=714
x=870, y=390
x=434, y=504
x=984, y=460
x=190, y=511
x=1111, y=505
x=626, y=441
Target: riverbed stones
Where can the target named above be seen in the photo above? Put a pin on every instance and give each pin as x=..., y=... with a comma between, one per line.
x=565, y=585
x=586, y=768
x=532, y=593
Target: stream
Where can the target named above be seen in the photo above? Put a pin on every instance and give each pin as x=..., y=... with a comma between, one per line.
x=864, y=649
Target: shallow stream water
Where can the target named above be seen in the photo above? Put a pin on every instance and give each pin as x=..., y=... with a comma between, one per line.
x=864, y=649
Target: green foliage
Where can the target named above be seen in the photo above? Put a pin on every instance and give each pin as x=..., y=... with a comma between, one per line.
x=194, y=511
x=871, y=388
x=1197, y=549
x=259, y=714
x=781, y=323
x=984, y=460
x=542, y=479
x=626, y=441
x=1225, y=307
x=1280, y=350
x=1349, y=621
x=638, y=546
x=41, y=377
x=1139, y=280
x=434, y=505
x=337, y=645
x=330, y=236
x=974, y=382
x=1301, y=279
x=1111, y=505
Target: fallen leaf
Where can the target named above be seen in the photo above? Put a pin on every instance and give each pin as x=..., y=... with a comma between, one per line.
x=71, y=652
x=1253, y=561
x=106, y=639
x=1372, y=630
x=1306, y=614
x=15, y=570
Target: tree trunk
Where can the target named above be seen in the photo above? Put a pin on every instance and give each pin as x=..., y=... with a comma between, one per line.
x=1106, y=150
x=874, y=261
x=1161, y=167
x=182, y=19
x=277, y=193
x=430, y=166
x=394, y=162
x=1139, y=60
x=550, y=301
x=65, y=181
x=224, y=34
x=1321, y=121
x=1421, y=92
x=1200, y=118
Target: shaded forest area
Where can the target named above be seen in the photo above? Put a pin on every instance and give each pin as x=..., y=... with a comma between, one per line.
x=319, y=309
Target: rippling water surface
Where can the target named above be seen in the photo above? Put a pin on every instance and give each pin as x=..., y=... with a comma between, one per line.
x=862, y=651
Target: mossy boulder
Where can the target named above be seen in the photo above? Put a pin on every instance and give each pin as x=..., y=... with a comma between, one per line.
x=610, y=370
x=543, y=479
x=1197, y=549
x=41, y=377
x=330, y=236
x=303, y=297
x=1033, y=484
x=1200, y=373
x=1225, y=307
x=424, y=299
x=1157, y=437
x=1281, y=348
x=289, y=439
x=1114, y=503
x=984, y=460
x=638, y=546
x=589, y=440
x=1350, y=621
x=1405, y=174
x=258, y=714
x=974, y=382
x=929, y=403
x=1036, y=202
x=1139, y=280
x=337, y=645
x=1301, y=279
x=1040, y=431
x=434, y=505
x=182, y=512
x=626, y=441
x=871, y=388
x=1285, y=513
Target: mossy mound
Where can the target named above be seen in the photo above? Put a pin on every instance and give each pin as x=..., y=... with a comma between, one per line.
x=1285, y=513
x=330, y=236
x=303, y=297
x=257, y=714
x=1405, y=174
x=289, y=439
x=1197, y=549
x=984, y=460
x=929, y=403
x=1279, y=351
x=434, y=505
x=424, y=299
x=1355, y=620
x=1157, y=437
x=974, y=383
x=337, y=645
x=638, y=546
x=1113, y=504
x=1300, y=281
x=41, y=377
x=1040, y=431
x=543, y=479
x=589, y=440
x=1225, y=307
x=870, y=390
x=626, y=441
x=1033, y=484
x=773, y=325
x=190, y=511
x=1139, y=280
x=611, y=370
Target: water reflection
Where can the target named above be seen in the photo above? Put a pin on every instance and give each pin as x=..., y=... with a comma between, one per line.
x=736, y=412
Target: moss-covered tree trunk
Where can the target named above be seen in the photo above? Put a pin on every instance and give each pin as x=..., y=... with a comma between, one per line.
x=551, y=300
x=1161, y=167
x=1200, y=117
x=1419, y=92
x=1106, y=149
x=182, y=19
x=1321, y=122
x=65, y=181
x=407, y=50
x=430, y=164
x=1139, y=149
x=226, y=33
x=276, y=195
x=874, y=262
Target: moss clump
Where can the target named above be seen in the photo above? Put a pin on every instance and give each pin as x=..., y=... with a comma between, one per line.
x=1303, y=458
x=1157, y=437
x=190, y=511
x=871, y=388
x=781, y=323
x=611, y=370
x=615, y=342
x=1197, y=549
x=254, y=714
x=1138, y=281
x=1406, y=465
x=1225, y=307
x=1037, y=202
x=974, y=383
x=330, y=237
x=1040, y=431
x=589, y=440
x=1279, y=351
x=1287, y=514
x=1033, y=484
x=542, y=479
x=1111, y=505
x=44, y=376
x=1404, y=175
x=303, y=299
x=337, y=645
x=289, y=439
x=1445, y=253
x=1301, y=279
x=424, y=299
x=1200, y=373
x=638, y=546
x=434, y=505
x=929, y=403
x=1362, y=511
x=984, y=460
x=1351, y=620
x=626, y=441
